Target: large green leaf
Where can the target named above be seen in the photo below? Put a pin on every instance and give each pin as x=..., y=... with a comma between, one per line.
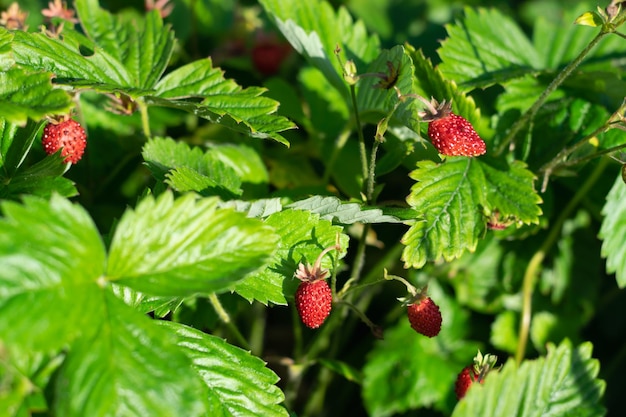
x=407, y=371
x=189, y=169
x=15, y=143
x=51, y=257
x=564, y=383
x=303, y=236
x=448, y=197
x=130, y=368
x=239, y=384
x=613, y=231
x=185, y=246
x=453, y=199
x=484, y=48
x=29, y=95
x=142, y=46
x=315, y=30
x=333, y=209
x=42, y=179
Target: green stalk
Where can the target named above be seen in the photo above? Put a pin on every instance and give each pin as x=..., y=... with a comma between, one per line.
x=225, y=318
x=530, y=113
x=362, y=150
x=145, y=118
x=532, y=270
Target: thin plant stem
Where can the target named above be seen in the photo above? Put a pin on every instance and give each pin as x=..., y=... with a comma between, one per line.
x=532, y=270
x=145, y=118
x=225, y=318
x=530, y=113
x=359, y=131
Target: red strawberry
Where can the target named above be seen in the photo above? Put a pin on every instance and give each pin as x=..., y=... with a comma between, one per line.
x=450, y=133
x=68, y=135
x=463, y=381
x=474, y=373
x=314, y=298
x=313, y=301
x=425, y=317
x=268, y=53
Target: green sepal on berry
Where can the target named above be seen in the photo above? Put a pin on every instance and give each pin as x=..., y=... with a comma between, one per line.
x=477, y=372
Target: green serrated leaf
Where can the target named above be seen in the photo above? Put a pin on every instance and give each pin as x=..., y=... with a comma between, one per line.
x=332, y=208
x=406, y=370
x=132, y=367
x=15, y=143
x=560, y=384
x=510, y=191
x=25, y=94
x=259, y=208
x=196, y=79
x=448, y=197
x=303, y=236
x=485, y=48
x=74, y=57
x=315, y=30
x=51, y=254
x=6, y=57
x=168, y=247
x=142, y=46
x=613, y=231
x=246, y=162
x=189, y=169
x=239, y=384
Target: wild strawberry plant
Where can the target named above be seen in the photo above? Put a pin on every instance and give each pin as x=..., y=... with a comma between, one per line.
x=273, y=195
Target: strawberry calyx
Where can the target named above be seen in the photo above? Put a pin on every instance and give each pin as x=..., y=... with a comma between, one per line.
x=483, y=364
x=434, y=110
x=315, y=272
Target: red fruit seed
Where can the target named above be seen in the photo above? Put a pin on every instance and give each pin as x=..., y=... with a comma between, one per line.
x=68, y=135
x=425, y=317
x=313, y=302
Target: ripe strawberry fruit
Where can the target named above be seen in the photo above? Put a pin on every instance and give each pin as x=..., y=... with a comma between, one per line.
x=425, y=317
x=464, y=380
x=474, y=373
x=314, y=298
x=450, y=133
x=69, y=135
x=313, y=302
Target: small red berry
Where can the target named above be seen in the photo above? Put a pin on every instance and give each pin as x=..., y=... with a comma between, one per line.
x=68, y=135
x=313, y=302
x=483, y=364
x=464, y=380
x=450, y=133
x=425, y=317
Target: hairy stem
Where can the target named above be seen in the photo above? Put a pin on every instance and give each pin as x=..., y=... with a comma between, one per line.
x=145, y=118
x=532, y=270
x=530, y=113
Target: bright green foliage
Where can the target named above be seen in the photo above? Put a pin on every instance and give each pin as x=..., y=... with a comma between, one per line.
x=562, y=383
x=186, y=246
x=228, y=372
x=406, y=370
x=26, y=94
x=331, y=208
x=302, y=237
x=613, y=231
x=450, y=196
x=189, y=169
x=50, y=257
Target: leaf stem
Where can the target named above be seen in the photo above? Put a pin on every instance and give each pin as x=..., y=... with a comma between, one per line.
x=532, y=270
x=530, y=113
x=225, y=318
x=362, y=150
x=145, y=118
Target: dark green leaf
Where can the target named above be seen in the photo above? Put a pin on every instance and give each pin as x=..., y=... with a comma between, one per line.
x=15, y=143
x=51, y=257
x=185, y=246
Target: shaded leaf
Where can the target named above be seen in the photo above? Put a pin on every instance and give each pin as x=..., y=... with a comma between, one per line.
x=484, y=48
x=180, y=247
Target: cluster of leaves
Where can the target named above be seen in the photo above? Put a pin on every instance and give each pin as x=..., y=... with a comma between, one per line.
x=125, y=321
